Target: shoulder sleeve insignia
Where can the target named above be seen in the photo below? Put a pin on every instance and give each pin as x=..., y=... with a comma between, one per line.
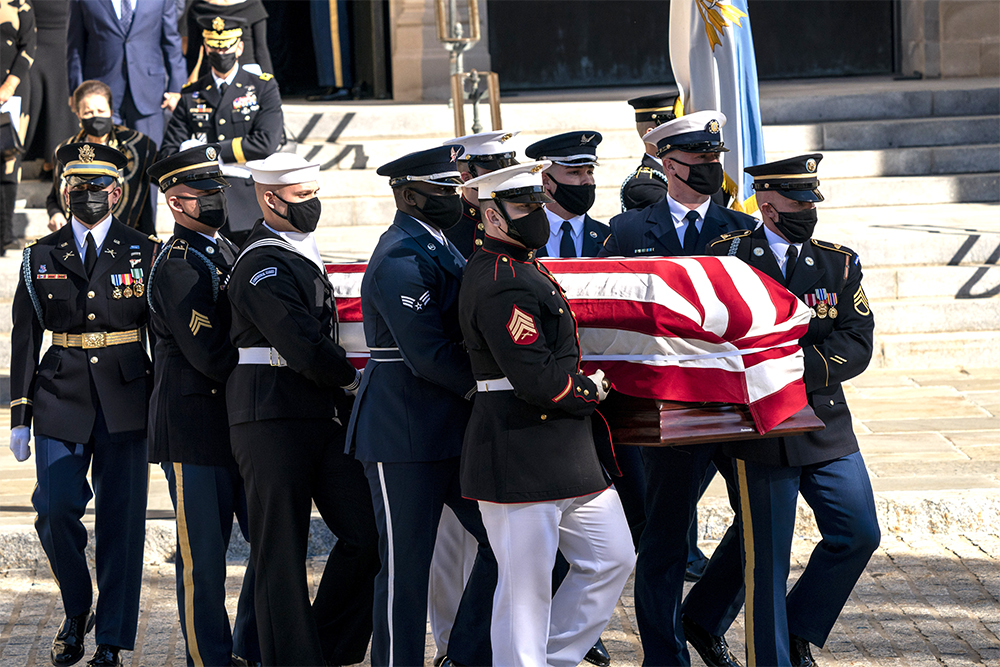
x=262, y=274
x=264, y=76
x=861, y=303
x=521, y=327
x=198, y=321
x=416, y=304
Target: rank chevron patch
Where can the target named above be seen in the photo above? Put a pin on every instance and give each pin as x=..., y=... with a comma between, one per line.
x=418, y=303
x=198, y=321
x=521, y=327
x=861, y=303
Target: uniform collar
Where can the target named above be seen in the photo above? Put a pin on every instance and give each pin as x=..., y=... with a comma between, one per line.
x=99, y=232
x=779, y=246
x=201, y=242
x=501, y=247
x=678, y=210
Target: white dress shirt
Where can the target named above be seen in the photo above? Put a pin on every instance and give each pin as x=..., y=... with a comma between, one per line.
x=99, y=232
x=678, y=212
x=779, y=247
x=555, y=233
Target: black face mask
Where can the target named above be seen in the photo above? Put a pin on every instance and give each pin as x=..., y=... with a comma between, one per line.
x=96, y=126
x=532, y=230
x=302, y=215
x=89, y=207
x=441, y=211
x=221, y=62
x=577, y=199
x=797, y=227
x=705, y=178
x=212, y=210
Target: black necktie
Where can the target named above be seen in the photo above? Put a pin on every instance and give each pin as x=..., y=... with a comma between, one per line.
x=691, y=233
x=223, y=87
x=566, y=245
x=89, y=255
x=790, y=256
x=126, y=19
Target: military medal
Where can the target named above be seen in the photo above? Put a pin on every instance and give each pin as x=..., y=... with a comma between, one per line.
x=139, y=289
x=117, y=293
x=127, y=292
x=832, y=312
x=821, y=309
x=116, y=280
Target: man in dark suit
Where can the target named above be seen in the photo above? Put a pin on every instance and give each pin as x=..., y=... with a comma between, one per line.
x=287, y=409
x=647, y=185
x=234, y=108
x=88, y=398
x=681, y=225
x=412, y=408
x=825, y=466
x=188, y=425
x=135, y=48
x=570, y=183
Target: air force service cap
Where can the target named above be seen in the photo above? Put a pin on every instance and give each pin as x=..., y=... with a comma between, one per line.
x=698, y=132
x=570, y=149
x=196, y=168
x=487, y=148
x=96, y=163
x=436, y=166
x=221, y=32
x=795, y=177
x=521, y=184
x=658, y=108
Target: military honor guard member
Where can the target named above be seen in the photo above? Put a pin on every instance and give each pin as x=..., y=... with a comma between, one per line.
x=572, y=189
x=88, y=399
x=825, y=466
x=681, y=225
x=411, y=412
x=484, y=152
x=287, y=406
x=529, y=455
x=233, y=107
x=647, y=184
x=188, y=424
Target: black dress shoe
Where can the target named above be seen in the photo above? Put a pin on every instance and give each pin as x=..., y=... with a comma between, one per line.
x=598, y=655
x=67, y=647
x=713, y=649
x=800, y=653
x=695, y=569
x=106, y=655
x=237, y=661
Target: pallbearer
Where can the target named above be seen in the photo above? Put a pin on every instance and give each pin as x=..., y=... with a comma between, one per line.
x=647, y=185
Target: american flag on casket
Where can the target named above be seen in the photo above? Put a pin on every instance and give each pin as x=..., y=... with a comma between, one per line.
x=692, y=329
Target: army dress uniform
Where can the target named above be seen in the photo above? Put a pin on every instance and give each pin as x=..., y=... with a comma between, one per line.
x=647, y=185
x=87, y=400
x=825, y=466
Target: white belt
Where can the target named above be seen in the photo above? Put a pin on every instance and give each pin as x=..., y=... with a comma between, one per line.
x=500, y=384
x=261, y=355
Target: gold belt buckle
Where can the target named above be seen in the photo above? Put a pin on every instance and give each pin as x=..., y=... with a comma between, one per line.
x=276, y=359
x=94, y=340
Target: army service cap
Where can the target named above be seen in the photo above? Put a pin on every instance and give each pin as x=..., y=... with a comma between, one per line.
x=196, y=168
x=283, y=169
x=437, y=166
x=570, y=149
x=91, y=162
x=488, y=149
x=795, y=177
x=521, y=184
x=658, y=107
x=698, y=132
x=221, y=32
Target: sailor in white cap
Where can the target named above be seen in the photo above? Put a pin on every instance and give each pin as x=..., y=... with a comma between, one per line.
x=530, y=418
x=288, y=405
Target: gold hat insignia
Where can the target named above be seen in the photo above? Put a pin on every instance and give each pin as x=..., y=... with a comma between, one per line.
x=218, y=24
x=87, y=153
x=210, y=153
x=713, y=127
x=505, y=137
x=585, y=139
x=537, y=168
x=810, y=165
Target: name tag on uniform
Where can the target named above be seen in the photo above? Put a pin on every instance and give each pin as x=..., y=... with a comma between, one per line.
x=57, y=276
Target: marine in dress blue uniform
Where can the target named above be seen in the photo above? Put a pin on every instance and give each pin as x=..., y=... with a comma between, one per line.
x=87, y=399
x=647, y=185
x=825, y=466
x=411, y=412
x=676, y=477
x=188, y=424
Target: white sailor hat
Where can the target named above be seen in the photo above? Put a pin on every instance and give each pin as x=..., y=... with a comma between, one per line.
x=283, y=169
x=521, y=183
x=487, y=148
x=698, y=132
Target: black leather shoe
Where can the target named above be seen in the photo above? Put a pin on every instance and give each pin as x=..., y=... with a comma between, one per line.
x=106, y=655
x=67, y=647
x=598, y=655
x=800, y=653
x=713, y=649
x=695, y=569
x=237, y=661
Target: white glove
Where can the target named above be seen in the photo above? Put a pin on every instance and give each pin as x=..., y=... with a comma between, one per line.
x=19, y=438
x=602, y=385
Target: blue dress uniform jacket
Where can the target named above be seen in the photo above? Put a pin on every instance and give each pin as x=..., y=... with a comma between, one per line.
x=650, y=232
x=645, y=186
x=54, y=293
x=467, y=235
x=414, y=410
x=594, y=235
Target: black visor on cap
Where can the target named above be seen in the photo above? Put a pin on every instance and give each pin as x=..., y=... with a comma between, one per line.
x=532, y=194
x=207, y=183
x=99, y=180
x=700, y=147
x=805, y=191
x=493, y=162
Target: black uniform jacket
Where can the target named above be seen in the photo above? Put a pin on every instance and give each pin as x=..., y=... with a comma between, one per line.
x=467, y=235
x=594, y=235
x=59, y=392
x=283, y=300
x=645, y=186
x=650, y=232
x=189, y=316
x=534, y=443
x=836, y=348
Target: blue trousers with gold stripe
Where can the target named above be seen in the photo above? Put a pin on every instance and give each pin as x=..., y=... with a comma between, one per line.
x=840, y=494
x=205, y=500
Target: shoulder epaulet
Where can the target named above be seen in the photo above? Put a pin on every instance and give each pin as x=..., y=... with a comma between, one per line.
x=836, y=247
x=264, y=76
x=31, y=243
x=188, y=86
x=731, y=235
x=180, y=246
x=154, y=238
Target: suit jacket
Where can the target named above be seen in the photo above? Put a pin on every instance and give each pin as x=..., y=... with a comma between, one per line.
x=189, y=315
x=836, y=348
x=148, y=55
x=645, y=186
x=57, y=391
x=594, y=235
x=415, y=409
x=650, y=231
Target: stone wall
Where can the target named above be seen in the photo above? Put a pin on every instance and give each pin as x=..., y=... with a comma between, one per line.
x=950, y=38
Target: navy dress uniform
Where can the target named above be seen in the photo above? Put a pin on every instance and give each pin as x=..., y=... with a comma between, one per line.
x=483, y=152
x=287, y=409
x=411, y=413
x=87, y=399
x=647, y=185
x=825, y=466
x=529, y=455
x=238, y=110
x=188, y=424
x=676, y=477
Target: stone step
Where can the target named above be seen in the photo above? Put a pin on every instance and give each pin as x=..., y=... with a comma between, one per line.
x=923, y=282
x=902, y=190
x=922, y=315
x=909, y=161
x=953, y=349
x=887, y=133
